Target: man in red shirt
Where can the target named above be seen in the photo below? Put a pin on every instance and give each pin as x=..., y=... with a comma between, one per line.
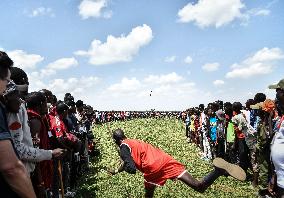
x=157, y=166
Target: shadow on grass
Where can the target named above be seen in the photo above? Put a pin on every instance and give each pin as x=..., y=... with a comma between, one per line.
x=87, y=183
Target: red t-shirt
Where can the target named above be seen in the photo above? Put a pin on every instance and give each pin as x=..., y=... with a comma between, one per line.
x=57, y=126
x=146, y=157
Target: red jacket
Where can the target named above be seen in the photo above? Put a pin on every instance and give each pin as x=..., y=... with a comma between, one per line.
x=146, y=157
x=59, y=130
x=45, y=167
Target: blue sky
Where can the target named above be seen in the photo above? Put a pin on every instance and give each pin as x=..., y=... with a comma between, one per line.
x=112, y=54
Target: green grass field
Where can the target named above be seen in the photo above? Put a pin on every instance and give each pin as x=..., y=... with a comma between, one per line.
x=167, y=134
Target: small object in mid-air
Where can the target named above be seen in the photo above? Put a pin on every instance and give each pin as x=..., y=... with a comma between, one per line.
x=151, y=93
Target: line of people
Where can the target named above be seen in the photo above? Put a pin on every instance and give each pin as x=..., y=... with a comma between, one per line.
x=109, y=116
x=250, y=136
x=45, y=144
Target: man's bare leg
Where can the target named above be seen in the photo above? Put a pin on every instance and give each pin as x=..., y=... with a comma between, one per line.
x=200, y=186
x=221, y=167
x=149, y=191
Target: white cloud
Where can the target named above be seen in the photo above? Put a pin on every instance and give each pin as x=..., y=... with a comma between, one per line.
x=126, y=85
x=24, y=60
x=76, y=86
x=41, y=11
x=207, y=13
x=118, y=49
x=266, y=55
x=210, y=67
x=51, y=68
x=170, y=59
x=260, y=63
x=261, y=12
x=72, y=85
x=174, y=90
x=252, y=13
x=36, y=82
x=44, y=72
x=188, y=60
x=63, y=63
x=93, y=8
x=59, y=86
x=132, y=94
x=218, y=82
x=164, y=78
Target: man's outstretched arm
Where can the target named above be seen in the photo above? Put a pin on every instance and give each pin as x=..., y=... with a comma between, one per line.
x=127, y=163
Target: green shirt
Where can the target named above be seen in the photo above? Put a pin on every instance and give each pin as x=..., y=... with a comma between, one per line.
x=230, y=132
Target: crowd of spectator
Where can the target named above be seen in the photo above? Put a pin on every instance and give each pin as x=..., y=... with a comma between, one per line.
x=250, y=135
x=46, y=144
